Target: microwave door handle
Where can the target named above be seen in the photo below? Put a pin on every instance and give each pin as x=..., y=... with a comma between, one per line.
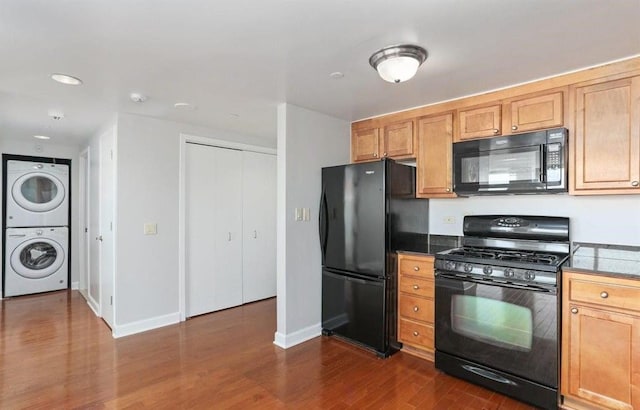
x=543, y=163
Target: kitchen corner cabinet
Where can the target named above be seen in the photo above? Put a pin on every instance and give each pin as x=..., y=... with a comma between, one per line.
x=416, y=289
x=606, y=140
x=395, y=140
x=600, y=342
x=519, y=114
x=434, y=159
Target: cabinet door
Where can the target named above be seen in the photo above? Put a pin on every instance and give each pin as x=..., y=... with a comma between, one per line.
x=365, y=145
x=535, y=113
x=399, y=140
x=259, y=226
x=607, y=136
x=434, y=159
x=480, y=122
x=213, y=229
x=603, y=357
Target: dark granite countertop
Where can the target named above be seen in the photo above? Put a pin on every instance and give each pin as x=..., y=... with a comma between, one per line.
x=616, y=260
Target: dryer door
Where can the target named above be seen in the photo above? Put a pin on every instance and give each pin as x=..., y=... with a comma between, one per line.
x=37, y=258
x=38, y=192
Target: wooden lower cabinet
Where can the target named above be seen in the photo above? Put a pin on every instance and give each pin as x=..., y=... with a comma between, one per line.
x=600, y=342
x=415, y=304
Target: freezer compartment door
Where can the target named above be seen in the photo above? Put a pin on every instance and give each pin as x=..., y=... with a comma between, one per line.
x=353, y=307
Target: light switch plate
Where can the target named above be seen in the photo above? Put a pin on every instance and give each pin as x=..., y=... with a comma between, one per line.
x=298, y=214
x=150, y=229
x=306, y=214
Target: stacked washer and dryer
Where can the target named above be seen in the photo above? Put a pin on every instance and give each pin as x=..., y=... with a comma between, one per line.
x=36, y=223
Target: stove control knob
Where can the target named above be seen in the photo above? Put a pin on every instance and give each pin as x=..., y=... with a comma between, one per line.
x=508, y=273
x=528, y=275
x=468, y=267
x=449, y=266
x=488, y=270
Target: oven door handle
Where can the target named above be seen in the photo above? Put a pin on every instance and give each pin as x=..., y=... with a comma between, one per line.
x=533, y=288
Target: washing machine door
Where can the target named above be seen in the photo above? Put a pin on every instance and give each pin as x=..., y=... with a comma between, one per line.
x=38, y=192
x=37, y=258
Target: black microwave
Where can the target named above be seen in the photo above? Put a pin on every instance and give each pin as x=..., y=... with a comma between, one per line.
x=530, y=163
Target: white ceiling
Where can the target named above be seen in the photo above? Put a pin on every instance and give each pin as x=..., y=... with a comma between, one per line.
x=236, y=60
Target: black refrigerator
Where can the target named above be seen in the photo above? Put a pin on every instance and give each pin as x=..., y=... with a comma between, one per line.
x=368, y=211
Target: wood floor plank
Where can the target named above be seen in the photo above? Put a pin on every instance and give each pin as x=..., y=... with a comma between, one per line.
x=56, y=354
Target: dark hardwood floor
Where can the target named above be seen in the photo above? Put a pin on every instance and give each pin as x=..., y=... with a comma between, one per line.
x=56, y=354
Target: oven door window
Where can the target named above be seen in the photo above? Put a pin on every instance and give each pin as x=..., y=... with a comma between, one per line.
x=495, y=322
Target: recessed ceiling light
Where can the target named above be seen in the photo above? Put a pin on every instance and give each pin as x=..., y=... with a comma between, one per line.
x=42, y=137
x=66, y=79
x=184, y=106
x=336, y=75
x=137, y=97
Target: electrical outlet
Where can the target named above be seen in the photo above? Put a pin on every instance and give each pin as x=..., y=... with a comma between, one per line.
x=150, y=229
x=449, y=220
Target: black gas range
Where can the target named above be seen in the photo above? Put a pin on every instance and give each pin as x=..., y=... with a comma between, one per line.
x=497, y=305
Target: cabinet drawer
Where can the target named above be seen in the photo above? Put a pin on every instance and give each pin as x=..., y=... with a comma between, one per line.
x=416, y=267
x=614, y=295
x=416, y=308
x=416, y=287
x=416, y=334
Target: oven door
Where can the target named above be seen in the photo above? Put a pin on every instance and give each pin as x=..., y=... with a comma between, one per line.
x=509, y=328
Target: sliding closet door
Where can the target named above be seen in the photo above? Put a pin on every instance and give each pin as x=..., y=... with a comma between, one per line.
x=259, y=221
x=214, y=228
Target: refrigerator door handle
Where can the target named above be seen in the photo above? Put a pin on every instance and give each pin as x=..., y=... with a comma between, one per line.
x=323, y=223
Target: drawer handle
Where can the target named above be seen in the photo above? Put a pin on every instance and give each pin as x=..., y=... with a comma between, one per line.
x=416, y=287
x=416, y=268
x=574, y=310
x=415, y=308
x=416, y=333
x=604, y=295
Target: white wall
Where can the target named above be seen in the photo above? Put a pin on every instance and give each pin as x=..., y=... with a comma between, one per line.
x=307, y=141
x=53, y=150
x=613, y=219
x=148, y=156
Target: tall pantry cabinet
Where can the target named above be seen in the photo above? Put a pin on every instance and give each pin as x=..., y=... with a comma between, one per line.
x=230, y=227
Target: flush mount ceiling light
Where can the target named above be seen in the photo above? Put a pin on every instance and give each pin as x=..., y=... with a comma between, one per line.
x=66, y=79
x=398, y=63
x=42, y=137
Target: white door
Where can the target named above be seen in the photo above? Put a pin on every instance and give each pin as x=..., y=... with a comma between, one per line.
x=259, y=226
x=105, y=235
x=94, y=226
x=83, y=218
x=213, y=229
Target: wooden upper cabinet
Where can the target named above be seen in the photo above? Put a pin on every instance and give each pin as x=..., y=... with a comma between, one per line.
x=399, y=140
x=600, y=342
x=365, y=145
x=395, y=140
x=479, y=122
x=606, y=140
x=534, y=113
x=434, y=158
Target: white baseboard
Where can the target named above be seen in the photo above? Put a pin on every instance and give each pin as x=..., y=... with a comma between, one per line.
x=286, y=341
x=94, y=306
x=75, y=285
x=146, y=324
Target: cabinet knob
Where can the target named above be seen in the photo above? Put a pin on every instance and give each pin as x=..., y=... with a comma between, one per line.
x=604, y=295
x=375, y=155
x=416, y=287
x=416, y=334
x=574, y=310
x=495, y=131
x=384, y=154
x=416, y=308
x=514, y=127
x=448, y=189
x=635, y=183
x=416, y=268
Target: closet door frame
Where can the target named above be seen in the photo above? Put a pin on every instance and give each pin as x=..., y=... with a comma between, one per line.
x=184, y=139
